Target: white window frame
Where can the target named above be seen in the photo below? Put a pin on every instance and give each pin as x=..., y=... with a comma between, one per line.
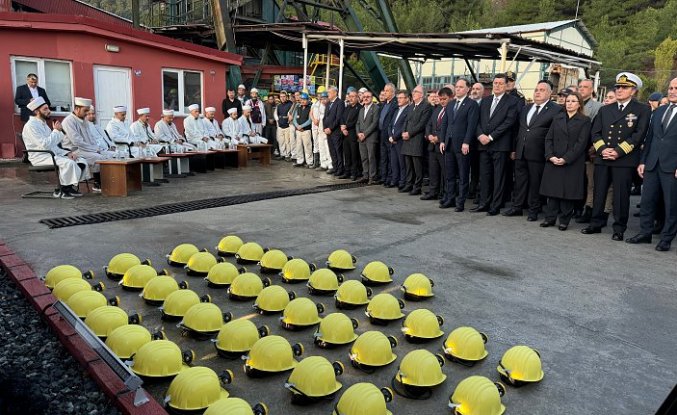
x=41, y=78
x=180, y=73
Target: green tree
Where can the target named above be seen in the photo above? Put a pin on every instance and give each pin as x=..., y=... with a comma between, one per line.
x=665, y=63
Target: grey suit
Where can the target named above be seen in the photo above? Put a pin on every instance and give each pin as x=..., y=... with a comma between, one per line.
x=412, y=148
x=368, y=147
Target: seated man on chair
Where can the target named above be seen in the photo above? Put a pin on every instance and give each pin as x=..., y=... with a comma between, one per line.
x=118, y=131
x=213, y=129
x=231, y=128
x=76, y=128
x=166, y=132
x=106, y=145
x=38, y=136
x=147, y=145
x=247, y=128
x=195, y=129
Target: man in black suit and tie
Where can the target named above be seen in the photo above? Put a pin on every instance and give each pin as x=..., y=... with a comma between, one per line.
x=412, y=147
x=529, y=151
x=435, y=132
x=658, y=168
x=387, y=110
x=498, y=114
x=27, y=93
x=461, y=126
x=332, y=127
x=617, y=133
x=396, y=128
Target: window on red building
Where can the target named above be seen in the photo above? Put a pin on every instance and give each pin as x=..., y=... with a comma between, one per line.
x=181, y=88
x=54, y=76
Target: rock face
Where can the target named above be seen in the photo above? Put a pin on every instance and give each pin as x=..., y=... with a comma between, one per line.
x=37, y=375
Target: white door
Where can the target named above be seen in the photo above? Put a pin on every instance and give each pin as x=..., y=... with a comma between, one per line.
x=112, y=87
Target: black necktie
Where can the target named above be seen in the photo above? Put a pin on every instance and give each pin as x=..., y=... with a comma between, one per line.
x=668, y=115
x=620, y=107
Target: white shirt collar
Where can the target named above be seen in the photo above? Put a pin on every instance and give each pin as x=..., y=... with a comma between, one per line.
x=499, y=96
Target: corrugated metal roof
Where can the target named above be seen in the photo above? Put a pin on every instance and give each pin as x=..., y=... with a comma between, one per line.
x=75, y=8
x=537, y=27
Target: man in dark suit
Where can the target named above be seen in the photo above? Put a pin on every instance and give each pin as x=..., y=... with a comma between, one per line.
x=618, y=132
x=396, y=128
x=658, y=168
x=387, y=110
x=332, y=127
x=351, y=147
x=27, y=93
x=368, y=137
x=461, y=126
x=498, y=114
x=529, y=150
x=412, y=147
x=435, y=132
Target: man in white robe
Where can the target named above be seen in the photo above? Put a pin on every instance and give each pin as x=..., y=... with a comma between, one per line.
x=166, y=132
x=247, y=131
x=105, y=144
x=258, y=111
x=231, y=128
x=147, y=144
x=195, y=129
x=118, y=131
x=214, y=129
x=38, y=136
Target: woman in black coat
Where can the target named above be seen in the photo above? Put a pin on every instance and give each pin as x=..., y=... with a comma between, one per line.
x=563, y=177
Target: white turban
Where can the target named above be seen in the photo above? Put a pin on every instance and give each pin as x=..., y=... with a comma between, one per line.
x=193, y=107
x=82, y=102
x=241, y=87
x=143, y=111
x=232, y=111
x=120, y=108
x=36, y=103
x=246, y=108
x=254, y=90
x=210, y=109
x=167, y=112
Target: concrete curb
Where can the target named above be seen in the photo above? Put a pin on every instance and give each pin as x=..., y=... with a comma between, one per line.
x=39, y=296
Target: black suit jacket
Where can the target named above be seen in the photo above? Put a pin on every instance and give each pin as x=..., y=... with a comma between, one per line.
x=396, y=127
x=333, y=116
x=23, y=97
x=660, y=147
x=530, y=139
x=499, y=125
x=387, y=112
x=623, y=131
x=567, y=139
x=435, y=128
x=417, y=119
x=461, y=125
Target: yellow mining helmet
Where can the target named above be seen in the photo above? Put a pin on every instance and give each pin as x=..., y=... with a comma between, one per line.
x=235, y=406
x=247, y=286
x=352, y=294
x=271, y=354
x=126, y=340
x=157, y=289
x=221, y=275
x=324, y=282
x=371, y=350
x=384, y=308
x=314, y=379
x=377, y=273
x=273, y=299
x=136, y=278
x=64, y=289
x=249, y=253
x=465, y=345
x=335, y=330
x=364, y=398
x=417, y=287
x=178, y=303
x=237, y=337
x=301, y=313
x=160, y=359
x=181, y=254
x=419, y=372
x=229, y=245
x=341, y=260
x=521, y=365
x=204, y=320
x=120, y=263
x=103, y=320
x=196, y=388
x=422, y=325
x=85, y=301
x=477, y=395
x=296, y=270
x=200, y=263
x=273, y=261
x=63, y=272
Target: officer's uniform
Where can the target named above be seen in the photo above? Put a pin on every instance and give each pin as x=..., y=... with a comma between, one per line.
x=624, y=131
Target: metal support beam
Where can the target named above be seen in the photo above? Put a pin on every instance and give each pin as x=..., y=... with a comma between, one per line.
x=472, y=71
x=504, y=56
x=370, y=59
x=390, y=26
x=304, y=44
x=328, y=71
x=360, y=78
x=340, y=76
x=225, y=37
x=136, y=13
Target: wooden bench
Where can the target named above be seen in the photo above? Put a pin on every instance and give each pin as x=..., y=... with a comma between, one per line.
x=203, y=161
x=227, y=158
x=152, y=170
x=260, y=152
x=119, y=177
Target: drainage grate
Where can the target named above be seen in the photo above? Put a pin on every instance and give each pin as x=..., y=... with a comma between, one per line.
x=170, y=208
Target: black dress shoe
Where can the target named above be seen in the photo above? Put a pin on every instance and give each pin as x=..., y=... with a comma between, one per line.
x=617, y=236
x=415, y=192
x=344, y=176
x=480, y=209
x=590, y=230
x=405, y=189
x=388, y=185
x=365, y=180
x=447, y=204
x=493, y=212
x=375, y=181
x=547, y=224
x=428, y=196
x=354, y=178
x=459, y=209
x=663, y=246
x=562, y=227
x=533, y=217
x=639, y=239
x=512, y=212
x=330, y=171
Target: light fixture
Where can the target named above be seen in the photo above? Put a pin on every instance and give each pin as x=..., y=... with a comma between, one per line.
x=112, y=48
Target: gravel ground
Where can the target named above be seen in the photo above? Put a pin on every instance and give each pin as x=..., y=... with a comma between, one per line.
x=37, y=375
